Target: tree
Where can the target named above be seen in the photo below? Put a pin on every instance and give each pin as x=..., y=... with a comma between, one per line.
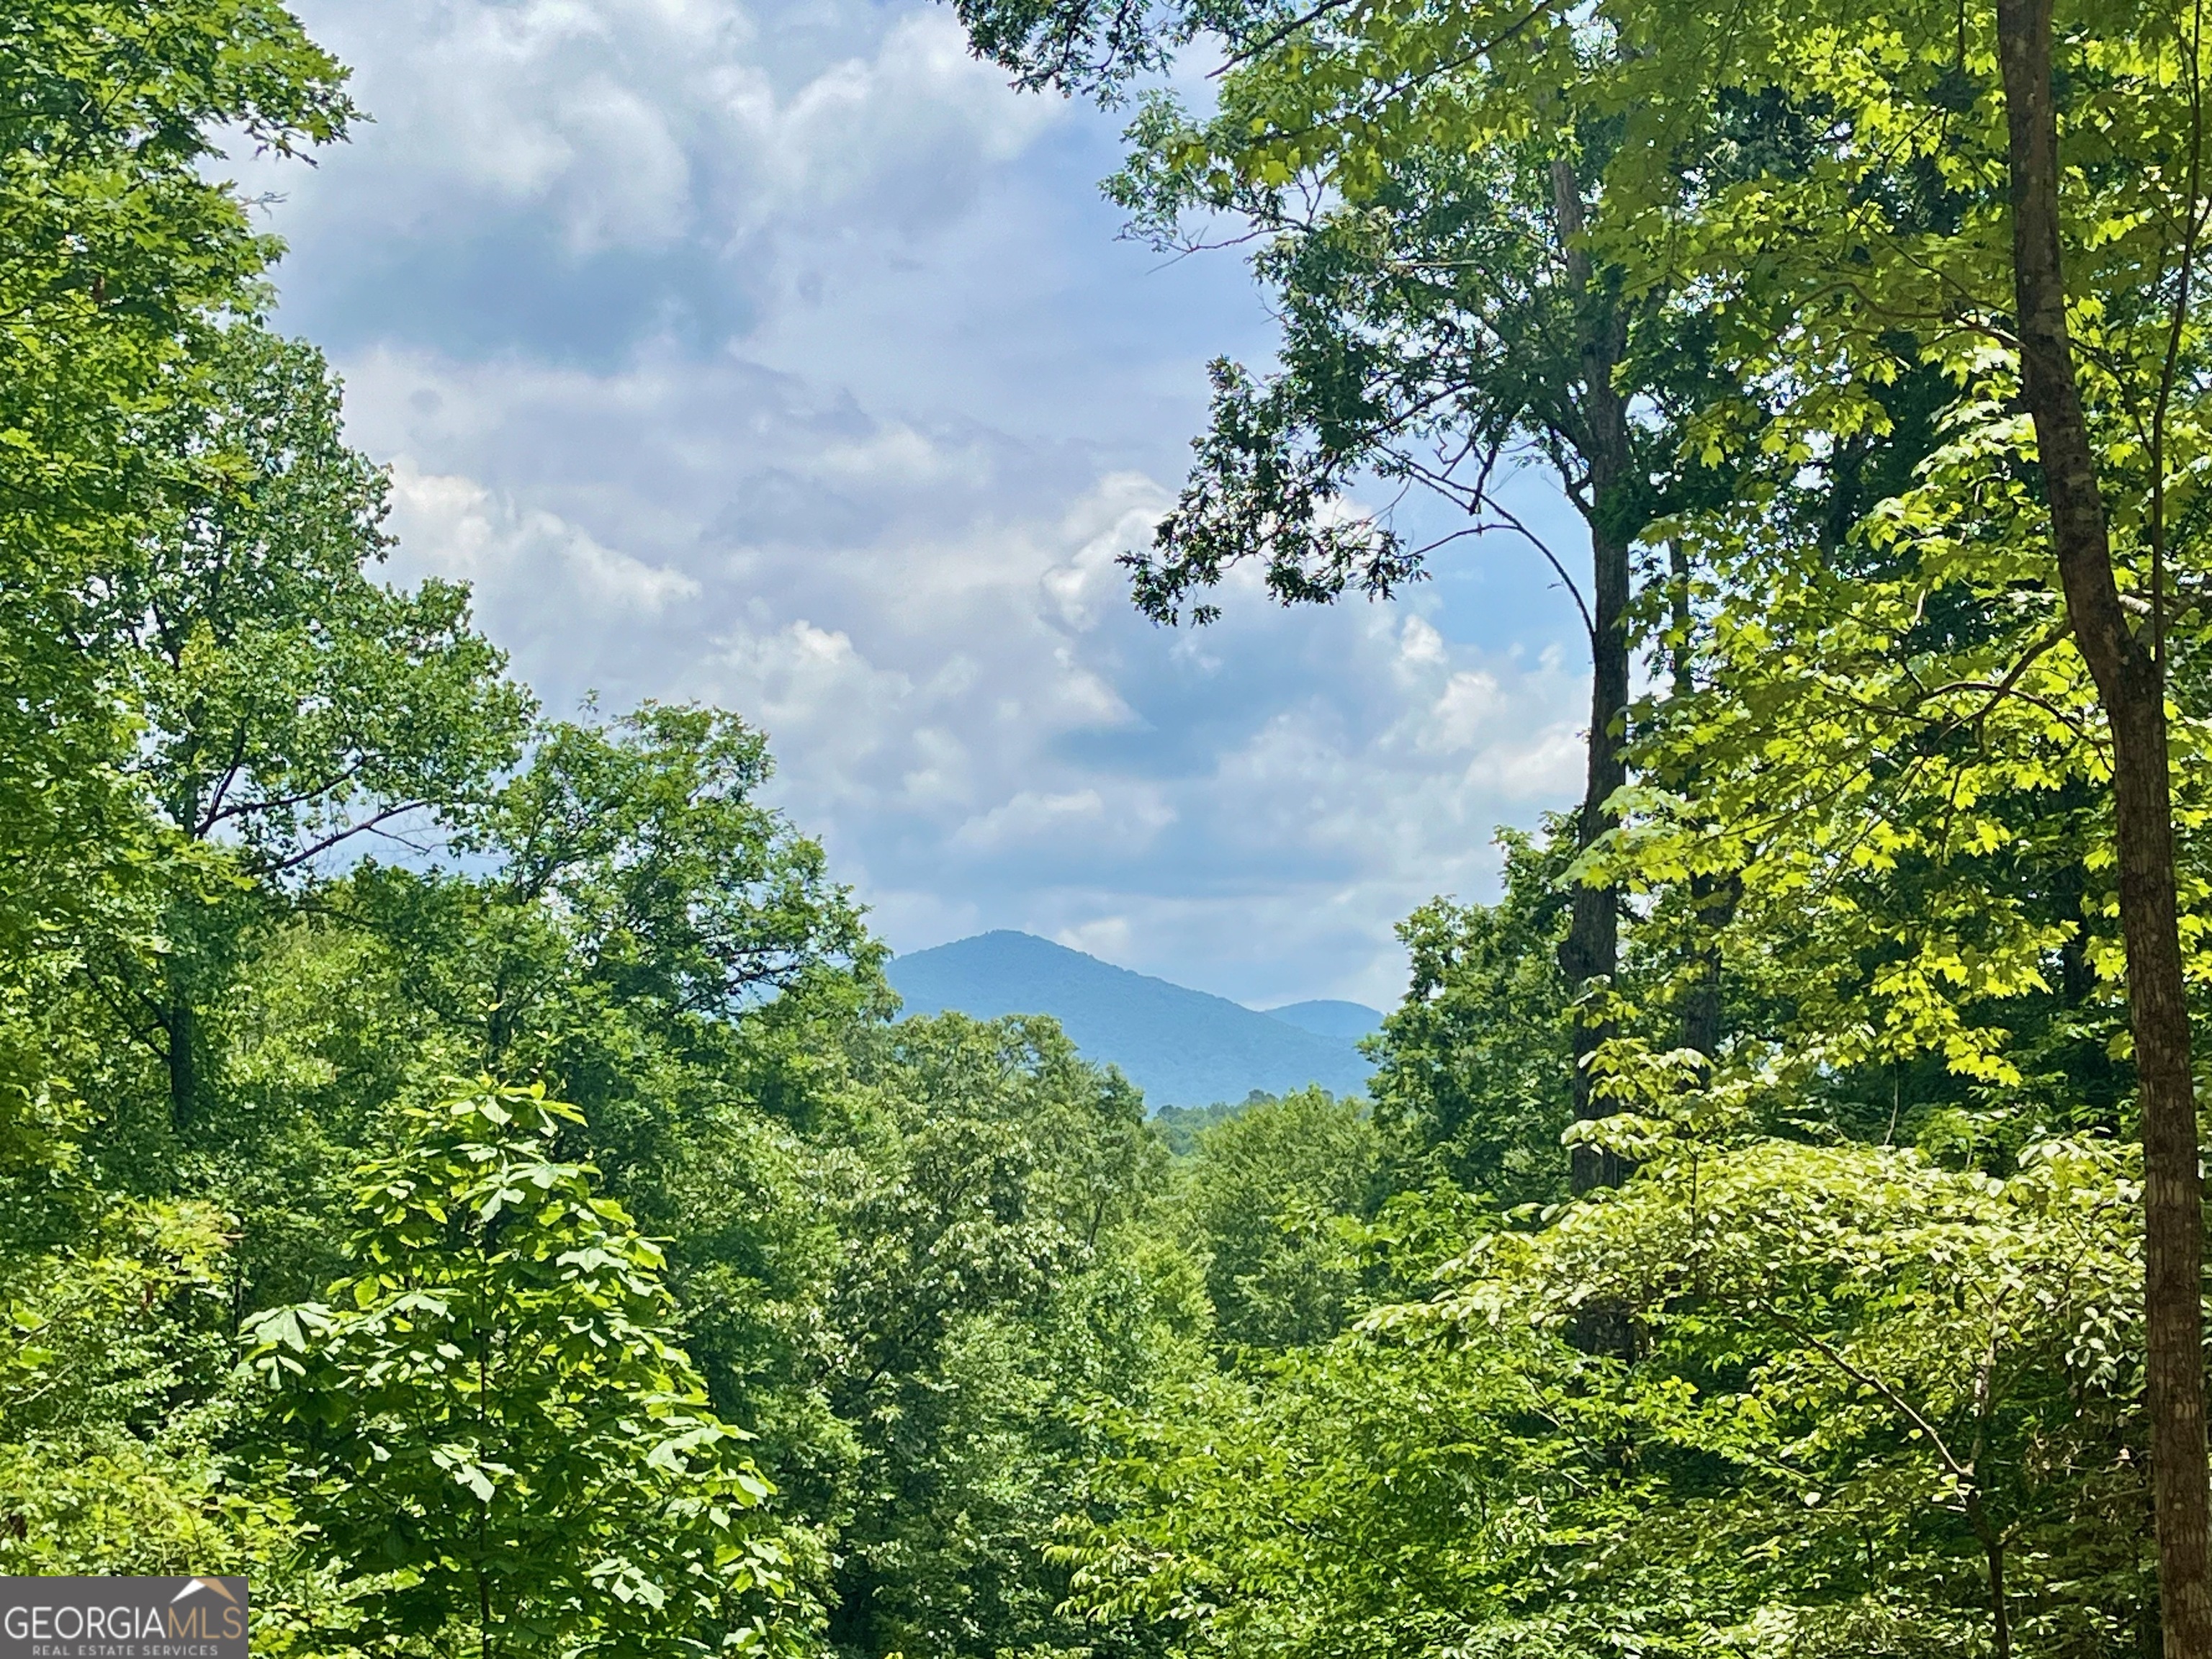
x=636, y=919
x=1447, y=319
x=1921, y=214
x=1472, y=1074
x=2021, y=258
x=1878, y=1408
x=1906, y=210
x=2128, y=665
x=291, y=702
x=983, y=1306
x=679, y=887
x=119, y=252
x=1265, y=1201
x=1443, y=325
x=500, y=1440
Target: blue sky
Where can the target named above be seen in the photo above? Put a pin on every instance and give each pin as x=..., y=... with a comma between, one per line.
x=776, y=353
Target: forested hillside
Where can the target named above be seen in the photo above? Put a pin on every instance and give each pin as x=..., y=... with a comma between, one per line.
x=1328, y=1016
x=461, y=1168
x=1183, y=1047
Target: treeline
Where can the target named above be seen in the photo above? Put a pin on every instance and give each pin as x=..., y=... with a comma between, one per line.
x=462, y=1170
x=458, y=1168
x=1862, y=1312
x=732, y=1317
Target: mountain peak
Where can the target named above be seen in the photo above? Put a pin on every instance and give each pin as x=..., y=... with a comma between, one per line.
x=1182, y=1047
x=1329, y=1017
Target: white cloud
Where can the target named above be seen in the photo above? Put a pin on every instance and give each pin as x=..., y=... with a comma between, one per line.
x=632, y=123
x=456, y=528
x=1103, y=936
x=1070, y=822
x=903, y=131
x=774, y=354
x=576, y=613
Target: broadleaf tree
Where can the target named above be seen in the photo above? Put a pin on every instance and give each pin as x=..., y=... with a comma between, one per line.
x=502, y=1441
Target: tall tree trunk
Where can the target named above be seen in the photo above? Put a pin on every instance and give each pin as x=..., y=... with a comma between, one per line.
x=2131, y=684
x=1592, y=947
x=180, y=1026
x=2000, y=1615
x=1712, y=900
x=183, y=1026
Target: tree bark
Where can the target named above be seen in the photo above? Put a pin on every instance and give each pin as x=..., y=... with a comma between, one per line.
x=180, y=1025
x=1591, y=949
x=2000, y=1615
x=2130, y=684
x=1712, y=900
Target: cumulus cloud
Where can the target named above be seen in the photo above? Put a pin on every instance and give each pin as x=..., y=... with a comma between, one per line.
x=456, y=528
x=577, y=176
x=776, y=354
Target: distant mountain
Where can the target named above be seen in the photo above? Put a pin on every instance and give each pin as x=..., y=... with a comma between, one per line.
x=1183, y=1047
x=1347, y=1021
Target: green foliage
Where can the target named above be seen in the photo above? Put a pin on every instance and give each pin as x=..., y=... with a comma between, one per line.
x=1860, y=1380
x=807, y=1331
x=501, y=1440
x=291, y=701
x=1180, y=1126
x=674, y=884
x=1473, y=1078
x=104, y=1335
x=991, y=1178
x=911, y=1264
x=121, y=255
x=1850, y=1344
x=1876, y=1389
x=1266, y=1202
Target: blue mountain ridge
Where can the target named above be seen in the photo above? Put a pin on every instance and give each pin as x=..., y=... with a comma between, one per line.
x=1347, y=1021
x=1183, y=1047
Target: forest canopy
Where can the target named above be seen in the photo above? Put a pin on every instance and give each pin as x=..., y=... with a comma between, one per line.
x=463, y=1167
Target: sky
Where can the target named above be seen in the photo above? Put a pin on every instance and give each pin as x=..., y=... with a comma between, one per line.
x=777, y=354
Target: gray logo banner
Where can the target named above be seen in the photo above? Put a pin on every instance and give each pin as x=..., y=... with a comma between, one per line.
x=123, y=1619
